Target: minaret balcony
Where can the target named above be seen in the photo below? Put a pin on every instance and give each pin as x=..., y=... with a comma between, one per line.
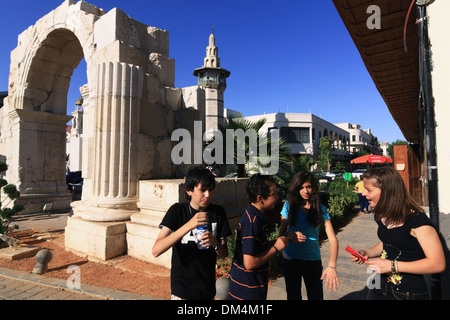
x=212, y=83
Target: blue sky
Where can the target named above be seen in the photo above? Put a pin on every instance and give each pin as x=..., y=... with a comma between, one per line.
x=284, y=55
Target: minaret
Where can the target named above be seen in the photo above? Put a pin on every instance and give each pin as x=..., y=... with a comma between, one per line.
x=212, y=78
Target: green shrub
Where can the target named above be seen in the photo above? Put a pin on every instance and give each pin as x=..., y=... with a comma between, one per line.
x=7, y=197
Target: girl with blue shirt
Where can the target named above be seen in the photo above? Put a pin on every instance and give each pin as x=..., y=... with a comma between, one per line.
x=301, y=218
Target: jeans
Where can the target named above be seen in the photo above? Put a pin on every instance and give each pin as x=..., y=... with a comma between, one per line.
x=311, y=271
x=388, y=292
x=363, y=203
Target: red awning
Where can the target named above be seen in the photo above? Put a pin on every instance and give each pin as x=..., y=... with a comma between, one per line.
x=371, y=159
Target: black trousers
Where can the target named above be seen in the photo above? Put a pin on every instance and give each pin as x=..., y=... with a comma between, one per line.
x=310, y=271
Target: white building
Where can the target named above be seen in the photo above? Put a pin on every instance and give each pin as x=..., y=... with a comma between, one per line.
x=360, y=139
x=303, y=132
x=74, y=138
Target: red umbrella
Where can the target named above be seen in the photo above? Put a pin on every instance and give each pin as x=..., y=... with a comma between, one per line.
x=371, y=159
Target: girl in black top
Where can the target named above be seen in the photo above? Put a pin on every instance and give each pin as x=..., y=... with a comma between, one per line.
x=409, y=247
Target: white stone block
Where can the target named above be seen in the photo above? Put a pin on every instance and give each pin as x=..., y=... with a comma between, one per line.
x=163, y=67
x=160, y=194
x=173, y=98
x=140, y=241
x=115, y=25
x=158, y=40
x=101, y=240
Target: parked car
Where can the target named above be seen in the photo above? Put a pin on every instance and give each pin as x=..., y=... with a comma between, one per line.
x=330, y=175
x=321, y=177
x=76, y=189
x=358, y=173
x=74, y=181
x=231, y=175
x=73, y=177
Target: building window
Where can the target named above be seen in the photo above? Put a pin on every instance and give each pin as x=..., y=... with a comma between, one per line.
x=354, y=138
x=295, y=135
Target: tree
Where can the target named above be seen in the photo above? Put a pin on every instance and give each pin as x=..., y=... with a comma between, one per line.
x=244, y=147
x=362, y=152
x=287, y=171
x=324, y=162
x=339, y=168
x=8, y=205
x=302, y=163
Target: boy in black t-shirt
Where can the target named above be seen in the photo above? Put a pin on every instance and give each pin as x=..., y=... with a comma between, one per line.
x=193, y=269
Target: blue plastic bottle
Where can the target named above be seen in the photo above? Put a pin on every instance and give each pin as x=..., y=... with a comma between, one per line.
x=200, y=231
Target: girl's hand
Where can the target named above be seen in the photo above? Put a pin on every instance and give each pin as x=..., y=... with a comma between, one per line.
x=332, y=280
x=296, y=236
x=379, y=265
x=358, y=260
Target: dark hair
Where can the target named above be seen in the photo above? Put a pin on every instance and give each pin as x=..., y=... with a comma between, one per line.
x=197, y=175
x=314, y=216
x=259, y=184
x=395, y=204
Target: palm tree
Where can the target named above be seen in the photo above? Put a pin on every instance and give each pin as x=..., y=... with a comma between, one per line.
x=245, y=155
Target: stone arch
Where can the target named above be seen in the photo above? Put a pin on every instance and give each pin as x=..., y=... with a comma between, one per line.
x=53, y=46
x=35, y=130
x=50, y=71
x=119, y=52
x=131, y=105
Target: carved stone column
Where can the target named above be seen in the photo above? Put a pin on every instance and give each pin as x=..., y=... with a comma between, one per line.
x=110, y=191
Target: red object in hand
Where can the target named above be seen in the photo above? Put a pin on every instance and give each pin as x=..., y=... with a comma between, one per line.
x=355, y=253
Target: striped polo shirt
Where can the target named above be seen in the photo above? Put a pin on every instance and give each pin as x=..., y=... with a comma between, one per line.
x=251, y=239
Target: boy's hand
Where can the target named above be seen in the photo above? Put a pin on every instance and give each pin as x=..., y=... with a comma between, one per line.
x=200, y=219
x=208, y=240
x=281, y=242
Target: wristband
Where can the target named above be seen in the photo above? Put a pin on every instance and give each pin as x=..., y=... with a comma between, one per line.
x=276, y=250
x=334, y=268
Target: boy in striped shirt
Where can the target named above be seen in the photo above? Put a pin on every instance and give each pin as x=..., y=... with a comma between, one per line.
x=250, y=270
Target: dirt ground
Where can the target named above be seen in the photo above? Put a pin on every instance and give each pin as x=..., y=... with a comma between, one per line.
x=122, y=273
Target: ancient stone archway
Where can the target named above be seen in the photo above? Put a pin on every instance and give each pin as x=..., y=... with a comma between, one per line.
x=130, y=81
x=34, y=116
x=131, y=108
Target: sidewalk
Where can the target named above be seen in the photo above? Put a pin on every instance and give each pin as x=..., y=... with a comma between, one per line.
x=19, y=285
x=361, y=233
x=22, y=285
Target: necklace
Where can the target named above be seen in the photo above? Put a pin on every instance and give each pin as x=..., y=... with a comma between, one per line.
x=190, y=210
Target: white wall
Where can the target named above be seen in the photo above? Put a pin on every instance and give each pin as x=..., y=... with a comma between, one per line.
x=439, y=33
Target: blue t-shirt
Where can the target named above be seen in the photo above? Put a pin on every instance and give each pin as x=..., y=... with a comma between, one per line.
x=310, y=249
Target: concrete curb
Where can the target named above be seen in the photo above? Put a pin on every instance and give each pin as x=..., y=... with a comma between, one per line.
x=109, y=294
